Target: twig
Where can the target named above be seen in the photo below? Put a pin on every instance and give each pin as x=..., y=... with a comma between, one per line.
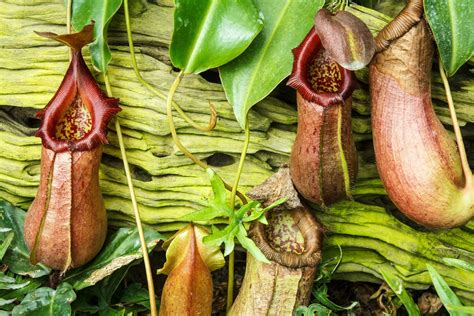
x=146, y=259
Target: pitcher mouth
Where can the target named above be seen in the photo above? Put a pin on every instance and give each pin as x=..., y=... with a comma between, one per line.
x=77, y=116
x=293, y=238
x=317, y=77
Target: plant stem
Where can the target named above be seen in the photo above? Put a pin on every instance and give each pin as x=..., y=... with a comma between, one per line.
x=230, y=277
x=146, y=259
x=457, y=131
x=174, y=134
x=68, y=22
x=190, y=121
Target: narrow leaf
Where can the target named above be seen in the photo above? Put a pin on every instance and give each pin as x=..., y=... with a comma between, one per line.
x=464, y=309
x=250, y=246
x=203, y=215
x=218, y=188
x=6, y=243
x=83, y=12
x=254, y=74
x=459, y=263
x=397, y=287
x=447, y=296
x=210, y=33
x=451, y=23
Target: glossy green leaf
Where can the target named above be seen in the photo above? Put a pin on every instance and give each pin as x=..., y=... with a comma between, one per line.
x=122, y=248
x=452, y=24
x=7, y=240
x=10, y=283
x=4, y=302
x=397, y=287
x=464, y=309
x=459, y=264
x=17, y=256
x=313, y=309
x=135, y=294
x=249, y=245
x=18, y=294
x=46, y=301
x=83, y=12
x=210, y=33
x=446, y=295
x=254, y=74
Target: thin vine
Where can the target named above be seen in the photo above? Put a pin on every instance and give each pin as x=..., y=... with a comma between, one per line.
x=457, y=130
x=118, y=129
x=170, y=103
x=230, y=277
x=146, y=259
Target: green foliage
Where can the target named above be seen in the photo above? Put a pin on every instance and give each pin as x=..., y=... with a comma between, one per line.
x=451, y=23
x=135, y=294
x=268, y=60
x=322, y=304
x=217, y=207
x=313, y=309
x=83, y=12
x=6, y=240
x=397, y=287
x=46, y=301
x=121, y=249
x=15, y=253
x=105, y=297
x=210, y=33
x=459, y=264
x=469, y=310
x=10, y=283
x=447, y=296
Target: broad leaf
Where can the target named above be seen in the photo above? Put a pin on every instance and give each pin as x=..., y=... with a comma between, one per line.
x=451, y=23
x=122, y=248
x=46, y=301
x=254, y=74
x=17, y=256
x=83, y=12
x=446, y=295
x=210, y=33
x=397, y=287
